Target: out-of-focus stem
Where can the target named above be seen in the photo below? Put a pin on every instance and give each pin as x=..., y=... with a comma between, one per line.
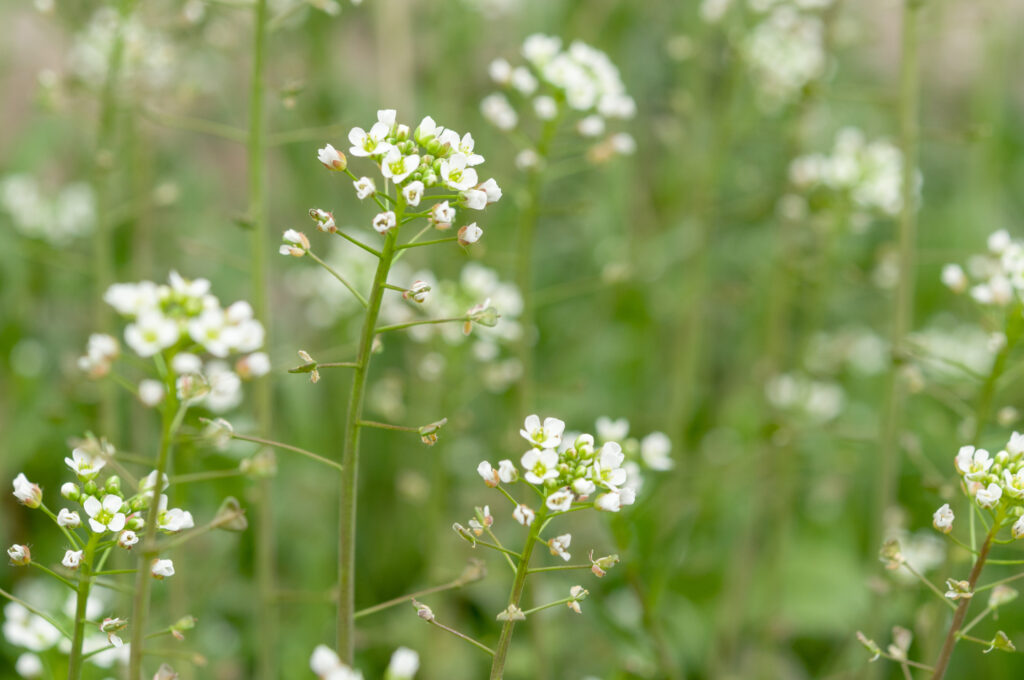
x=257, y=212
x=84, y=585
x=350, y=454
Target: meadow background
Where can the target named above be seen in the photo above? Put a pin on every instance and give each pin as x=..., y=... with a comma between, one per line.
x=672, y=286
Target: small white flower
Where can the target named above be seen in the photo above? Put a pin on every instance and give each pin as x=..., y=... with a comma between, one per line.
x=72, y=559
x=69, y=518
x=623, y=143
x=540, y=465
x=488, y=473
x=84, y=464
x=545, y=107
x=500, y=71
x=27, y=493
x=560, y=546
x=69, y=490
x=20, y=555
x=403, y=665
x=162, y=569
x=413, y=193
x=106, y=515
x=988, y=497
x=583, y=487
x=527, y=159
x=127, y=538
x=1018, y=528
x=943, y=518
x=427, y=129
x=560, y=500
x=148, y=483
x=370, y=143
x=29, y=666
x=384, y=221
x=255, y=365
x=612, y=430
x=469, y=234
x=973, y=463
x=474, y=199
x=397, y=167
x=151, y=333
x=333, y=159
x=186, y=362
x=523, y=515
x=417, y=292
x=591, y=126
x=954, y=278
x=1015, y=446
x=523, y=80
x=609, y=502
x=456, y=173
x=326, y=664
x=493, y=191
x=442, y=215
x=507, y=471
x=173, y=520
x=547, y=436
x=999, y=241
x=539, y=49
x=364, y=187
x=151, y=392
x=655, y=449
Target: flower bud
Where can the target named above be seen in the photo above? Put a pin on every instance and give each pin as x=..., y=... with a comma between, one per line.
x=20, y=555
x=27, y=493
x=423, y=611
x=332, y=159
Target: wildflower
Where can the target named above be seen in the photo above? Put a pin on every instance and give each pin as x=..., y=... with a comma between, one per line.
x=561, y=500
x=1001, y=642
x=1002, y=594
x=943, y=519
x=474, y=199
x=127, y=538
x=72, y=559
x=583, y=487
x=413, y=193
x=326, y=664
x=324, y=220
x=493, y=191
x=456, y=173
x=403, y=665
x=611, y=501
x=958, y=590
x=165, y=672
x=545, y=107
x=655, y=449
x=111, y=626
x=511, y=613
x=162, y=569
x=423, y=611
x=528, y=159
x=174, y=520
x=869, y=645
x=500, y=71
x=417, y=292
x=499, y=112
x=608, y=469
x=152, y=332
x=988, y=497
x=577, y=593
x=364, y=187
x=973, y=463
x=384, y=221
x=601, y=565
x=101, y=350
x=1015, y=446
x=396, y=166
x=540, y=465
x=333, y=159
x=559, y=546
x=507, y=471
x=106, y=515
x=366, y=144
x=27, y=493
x=524, y=515
x=20, y=555
x=69, y=518
x=442, y=215
x=28, y=665
x=953, y=277
x=255, y=365
x=546, y=436
x=296, y=244
x=70, y=491
x=489, y=474
x=469, y=234
x=84, y=464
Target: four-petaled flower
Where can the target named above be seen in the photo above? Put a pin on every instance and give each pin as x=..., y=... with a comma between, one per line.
x=540, y=465
x=973, y=463
x=106, y=515
x=546, y=436
x=72, y=559
x=84, y=464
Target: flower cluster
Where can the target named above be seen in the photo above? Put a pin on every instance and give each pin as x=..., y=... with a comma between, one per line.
x=68, y=214
x=868, y=174
x=580, y=79
x=995, y=483
x=178, y=323
x=816, y=400
x=785, y=52
x=326, y=664
x=414, y=161
x=998, y=276
x=148, y=57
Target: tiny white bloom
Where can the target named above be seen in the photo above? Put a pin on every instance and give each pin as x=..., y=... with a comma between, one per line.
x=442, y=214
x=72, y=559
x=106, y=515
x=655, y=449
x=413, y=193
x=591, y=126
x=1015, y=446
x=127, y=538
x=162, y=569
x=954, y=278
x=84, y=464
x=943, y=518
x=404, y=664
x=523, y=515
x=151, y=392
x=612, y=430
x=186, y=362
x=583, y=487
x=560, y=546
x=491, y=188
x=545, y=107
x=988, y=497
x=474, y=199
x=29, y=666
x=470, y=234
x=151, y=333
x=370, y=143
x=69, y=518
x=560, y=500
x=456, y=173
x=364, y=187
x=173, y=520
x=507, y=471
x=487, y=473
x=20, y=555
x=384, y=221
x=1018, y=528
x=27, y=493
x=331, y=158
x=397, y=167
x=540, y=465
x=973, y=463
x=609, y=502
x=69, y=490
x=548, y=435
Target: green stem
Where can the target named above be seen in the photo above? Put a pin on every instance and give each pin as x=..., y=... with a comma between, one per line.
x=287, y=447
x=35, y=610
x=84, y=584
x=424, y=322
x=457, y=583
x=342, y=279
x=505, y=640
x=350, y=453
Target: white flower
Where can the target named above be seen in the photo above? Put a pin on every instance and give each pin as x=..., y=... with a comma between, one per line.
x=527, y=159
x=326, y=664
x=131, y=299
x=538, y=49
x=364, y=187
x=426, y=129
x=498, y=111
x=72, y=559
x=370, y=143
x=988, y=497
x=27, y=493
x=500, y=71
x=488, y=473
x=610, y=430
x=540, y=465
x=469, y=234
x=29, y=665
x=162, y=569
x=333, y=159
x=655, y=449
x=148, y=483
x=84, y=464
x=442, y=214
x=559, y=546
x=1018, y=528
x=999, y=241
x=507, y=471
x=524, y=81
x=105, y=516
x=413, y=193
x=474, y=199
x=943, y=518
x=456, y=173
x=151, y=392
x=255, y=365
x=545, y=107
x=397, y=167
x=591, y=126
x=22, y=628
x=523, y=515
x=152, y=332
x=954, y=278
x=973, y=463
x=417, y=292
x=20, y=555
x=623, y=143
x=608, y=469
x=609, y=502
x=69, y=518
x=1015, y=446
x=384, y=221
x=583, y=487
x=186, y=362
x=387, y=117
x=560, y=500
x=69, y=490
x=127, y=538
x=404, y=664
x=491, y=188
x=173, y=520
x=547, y=436
x=209, y=329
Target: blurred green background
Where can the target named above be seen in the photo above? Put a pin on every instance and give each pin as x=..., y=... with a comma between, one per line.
x=672, y=286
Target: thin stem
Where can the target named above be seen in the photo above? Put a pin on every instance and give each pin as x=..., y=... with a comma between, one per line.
x=388, y=426
x=505, y=640
x=452, y=585
x=356, y=242
x=977, y=619
x=559, y=567
x=85, y=575
x=350, y=453
x=462, y=636
x=206, y=476
x=931, y=586
x=38, y=612
x=55, y=575
x=424, y=322
x=497, y=542
x=1000, y=582
x=193, y=124
x=344, y=281
x=549, y=605
x=427, y=243
x=287, y=447
x=492, y=546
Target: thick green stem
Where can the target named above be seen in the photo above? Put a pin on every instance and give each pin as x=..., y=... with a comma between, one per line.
x=350, y=454
x=171, y=419
x=522, y=571
x=84, y=585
